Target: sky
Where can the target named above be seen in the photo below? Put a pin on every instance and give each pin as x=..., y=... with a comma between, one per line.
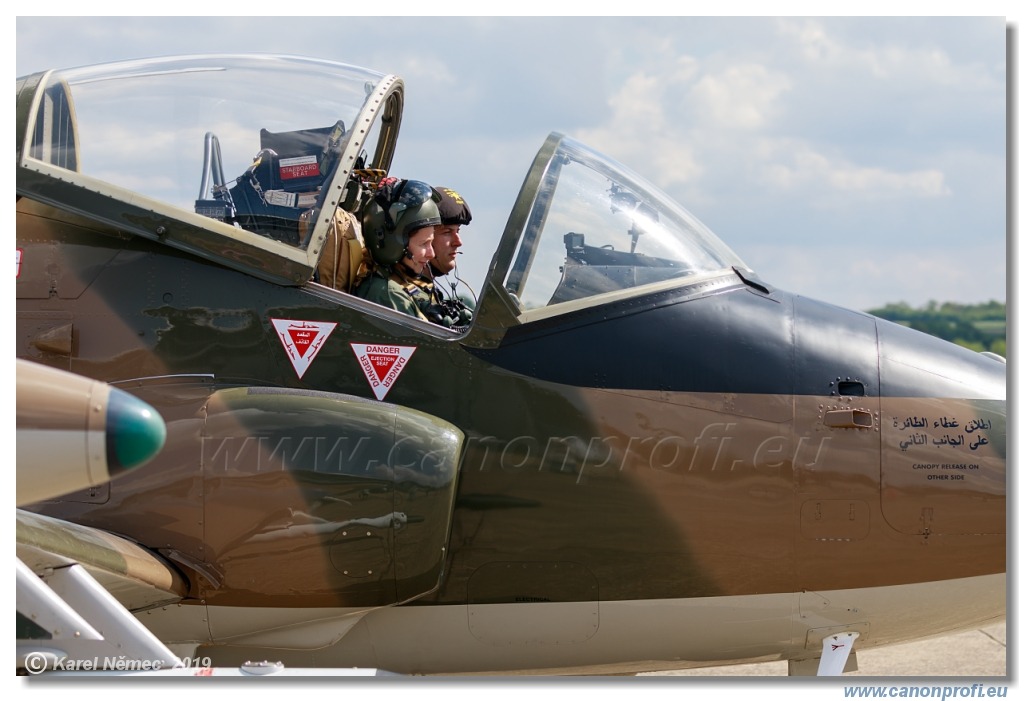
x=856, y=160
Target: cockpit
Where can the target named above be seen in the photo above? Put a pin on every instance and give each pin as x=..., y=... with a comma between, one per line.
x=246, y=161
x=240, y=159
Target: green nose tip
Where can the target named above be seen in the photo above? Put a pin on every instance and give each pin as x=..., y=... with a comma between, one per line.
x=135, y=432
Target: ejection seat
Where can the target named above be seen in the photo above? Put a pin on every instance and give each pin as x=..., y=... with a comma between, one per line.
x=277, y=194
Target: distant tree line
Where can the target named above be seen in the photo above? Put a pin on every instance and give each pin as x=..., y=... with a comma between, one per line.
x=980, y=327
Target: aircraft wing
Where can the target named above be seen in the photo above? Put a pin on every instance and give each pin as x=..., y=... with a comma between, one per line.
x=76, y=588
x=136, y=577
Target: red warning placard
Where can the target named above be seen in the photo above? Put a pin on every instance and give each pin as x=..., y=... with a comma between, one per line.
x=302, y=340
x=382, y=364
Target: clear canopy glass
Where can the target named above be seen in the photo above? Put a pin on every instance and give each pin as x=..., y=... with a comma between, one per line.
x=250, y=140
x=596, y=228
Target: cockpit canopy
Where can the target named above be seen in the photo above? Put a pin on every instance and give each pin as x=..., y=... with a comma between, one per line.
x=597, y=231
x=261, y=144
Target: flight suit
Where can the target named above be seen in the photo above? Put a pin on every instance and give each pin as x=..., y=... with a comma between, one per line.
x=413, y=295
x=395, y=290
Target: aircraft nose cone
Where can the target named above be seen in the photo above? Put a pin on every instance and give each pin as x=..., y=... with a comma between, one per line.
x=135, y=432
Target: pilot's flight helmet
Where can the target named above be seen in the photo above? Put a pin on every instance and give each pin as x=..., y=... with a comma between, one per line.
x=453, y=207
x=397, y=210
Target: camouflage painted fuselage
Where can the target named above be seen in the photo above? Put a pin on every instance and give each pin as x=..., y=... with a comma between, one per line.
x=718, y=440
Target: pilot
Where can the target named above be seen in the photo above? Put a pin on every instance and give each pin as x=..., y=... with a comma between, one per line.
x=447, y=241
x=398, y=232
x=455, y=214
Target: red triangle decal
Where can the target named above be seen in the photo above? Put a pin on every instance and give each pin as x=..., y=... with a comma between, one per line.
x=382, y=364
x=302, y=338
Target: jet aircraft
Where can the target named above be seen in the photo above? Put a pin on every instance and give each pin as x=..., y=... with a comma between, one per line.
x=638, y=456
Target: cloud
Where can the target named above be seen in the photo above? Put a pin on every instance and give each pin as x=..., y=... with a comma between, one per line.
x=684, y=122
x=811, y=40
x=823, y=111
x=739, y=97
x=868, y=281
x=788, y=164
x=914, y=58
x=641, y=128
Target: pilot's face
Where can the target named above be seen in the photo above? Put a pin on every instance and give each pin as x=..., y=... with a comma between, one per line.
x=421, y=249
x=446, y=245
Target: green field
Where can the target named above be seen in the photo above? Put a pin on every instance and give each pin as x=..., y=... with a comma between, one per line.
x=980, y=327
